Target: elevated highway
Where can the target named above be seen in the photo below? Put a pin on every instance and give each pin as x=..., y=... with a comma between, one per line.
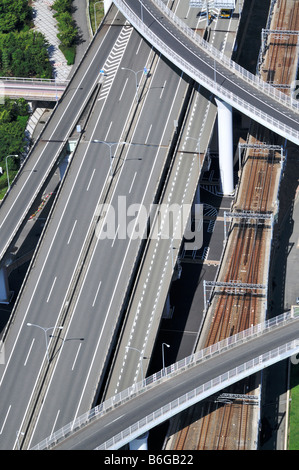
x=146, y=404
x=93, y=295
x=45, y=154
x=207, y=66
x=161, y=259
x=77, y=279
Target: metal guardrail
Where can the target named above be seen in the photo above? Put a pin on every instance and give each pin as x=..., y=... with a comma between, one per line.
x=215, y=55
x=224, y=59
x=50, y=81
x=203, y=391
x=175, y=369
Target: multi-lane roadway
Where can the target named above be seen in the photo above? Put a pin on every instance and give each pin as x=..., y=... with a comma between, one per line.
x=228, y=81
x=71, y=249
x=44, y=155
x=148, y=299
x=78, y=281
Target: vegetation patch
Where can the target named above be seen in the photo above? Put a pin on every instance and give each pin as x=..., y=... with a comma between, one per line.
x=294, y=408
x=23, y=52
x=68, y=31
x=14, y=15
x=14, y=115
x=96, y=13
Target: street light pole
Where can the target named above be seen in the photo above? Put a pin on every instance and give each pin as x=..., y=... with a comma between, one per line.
x=45, y=331
x=135, y=349
x=109, y=144
x=163, y=362
x=8, y=183
x=144, y=70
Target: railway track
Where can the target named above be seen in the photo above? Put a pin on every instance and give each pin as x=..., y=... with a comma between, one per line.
x=221, y=426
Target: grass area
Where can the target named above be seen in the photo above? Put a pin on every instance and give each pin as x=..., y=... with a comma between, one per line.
x=96, y=7
x=4, y=183
x=294, y=408
x=69, y=53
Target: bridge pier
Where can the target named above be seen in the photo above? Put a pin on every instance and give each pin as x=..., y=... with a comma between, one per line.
x=63, y=165
x=225, y=143
x=5, y=293
x=140, y=443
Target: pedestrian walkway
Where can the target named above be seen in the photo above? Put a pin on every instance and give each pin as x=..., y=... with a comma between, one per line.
x=45, y=22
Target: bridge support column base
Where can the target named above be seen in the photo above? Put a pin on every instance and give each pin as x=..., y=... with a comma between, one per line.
x=5, y=293
x=140, y=443
x=63, y=166
x=225, y=143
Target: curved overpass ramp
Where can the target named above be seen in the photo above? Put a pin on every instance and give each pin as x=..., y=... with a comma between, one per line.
x=207, y=66
x=143, y=406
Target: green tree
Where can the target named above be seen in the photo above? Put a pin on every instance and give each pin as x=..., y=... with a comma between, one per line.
x=14, y=14
x=62, y=5
x=67, y=29
x=24, y=54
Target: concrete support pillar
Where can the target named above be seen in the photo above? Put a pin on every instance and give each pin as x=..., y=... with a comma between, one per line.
x=196, y=201
x=140, y=443
x=197, y=195
x=167, y=307
x=63, y=165
x=225, y=138
x=5, y=294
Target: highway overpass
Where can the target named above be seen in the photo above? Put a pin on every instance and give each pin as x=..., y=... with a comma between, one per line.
x=207, y=66
x=45, y=154
x=32, y=89
x=146, y=404
x=75, y=279
x=70, y=224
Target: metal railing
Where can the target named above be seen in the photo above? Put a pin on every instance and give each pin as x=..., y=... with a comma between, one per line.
x=209, y=83
x=223, y=59
x=192, y=397
x=170, y=371
x=50, y=81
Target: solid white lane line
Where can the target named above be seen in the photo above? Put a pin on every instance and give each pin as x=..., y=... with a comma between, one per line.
x=95, y=297
x=75, y=360
x=29, y=352
x=90, y=179
x=132, y=182
x=71, y=234
x=51, y=289
x=5, y=419
x=123, y=89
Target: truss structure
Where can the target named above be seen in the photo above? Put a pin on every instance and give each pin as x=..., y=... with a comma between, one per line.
x=247, y=216
x=279, y=34
x=231, y=397
x=261, y=148
x=212, y=3
x=231, y=287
